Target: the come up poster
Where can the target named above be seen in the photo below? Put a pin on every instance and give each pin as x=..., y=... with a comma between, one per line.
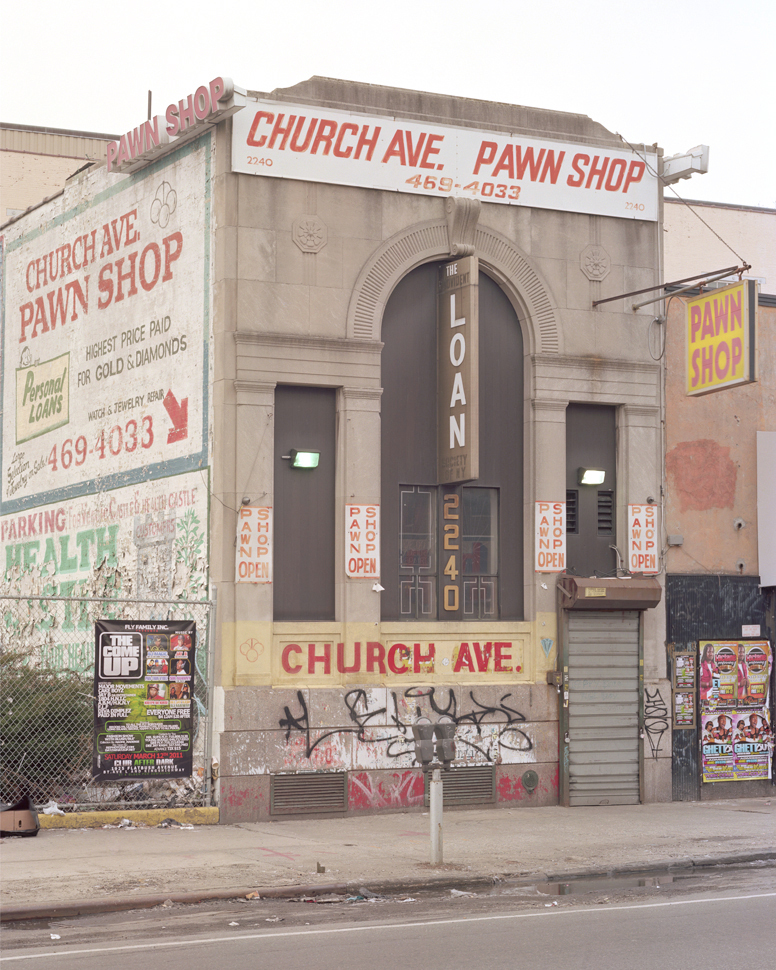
x=143, y=685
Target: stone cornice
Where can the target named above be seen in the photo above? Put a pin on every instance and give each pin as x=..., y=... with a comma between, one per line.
x=337, y=345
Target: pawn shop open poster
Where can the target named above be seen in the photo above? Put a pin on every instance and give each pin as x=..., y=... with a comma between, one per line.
x=143, y=687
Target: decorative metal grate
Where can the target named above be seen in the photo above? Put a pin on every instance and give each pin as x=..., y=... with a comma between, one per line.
x=309, y=793
x=467, y=786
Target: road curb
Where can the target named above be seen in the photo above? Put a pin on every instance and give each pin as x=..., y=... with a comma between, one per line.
x=63, y=910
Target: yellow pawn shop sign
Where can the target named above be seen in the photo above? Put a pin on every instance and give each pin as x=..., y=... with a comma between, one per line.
x=722, y=338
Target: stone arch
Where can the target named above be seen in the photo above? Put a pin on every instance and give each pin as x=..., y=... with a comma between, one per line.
x=429, y=241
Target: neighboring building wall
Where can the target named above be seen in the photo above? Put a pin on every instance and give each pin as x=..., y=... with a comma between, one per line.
x=308, y=310
x=711, y=457
x=35, y=163
x=692, y=247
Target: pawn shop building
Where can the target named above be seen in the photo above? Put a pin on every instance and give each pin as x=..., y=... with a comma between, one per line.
x=357, y=346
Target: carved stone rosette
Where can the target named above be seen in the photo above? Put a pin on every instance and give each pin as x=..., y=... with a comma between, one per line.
x=310, y=233
x=595, y=262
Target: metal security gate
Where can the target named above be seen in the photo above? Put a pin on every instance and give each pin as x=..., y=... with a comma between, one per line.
x=603, y=711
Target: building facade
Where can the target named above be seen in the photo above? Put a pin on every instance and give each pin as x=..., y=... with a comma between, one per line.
x=353, y=384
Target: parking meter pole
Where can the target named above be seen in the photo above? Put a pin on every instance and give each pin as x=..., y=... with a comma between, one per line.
x=435, y=813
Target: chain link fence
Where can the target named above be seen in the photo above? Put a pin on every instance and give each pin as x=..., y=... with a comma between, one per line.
x=47, y=709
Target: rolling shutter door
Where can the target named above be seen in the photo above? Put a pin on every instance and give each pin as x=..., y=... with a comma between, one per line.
x=603, y=707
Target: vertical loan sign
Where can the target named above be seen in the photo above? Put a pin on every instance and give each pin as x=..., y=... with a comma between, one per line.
x=458, y=371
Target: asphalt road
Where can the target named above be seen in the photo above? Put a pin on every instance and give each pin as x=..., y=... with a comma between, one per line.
x=713, y=920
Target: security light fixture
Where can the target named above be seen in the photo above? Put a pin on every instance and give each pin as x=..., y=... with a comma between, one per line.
x=591, y=476
x=303, y=459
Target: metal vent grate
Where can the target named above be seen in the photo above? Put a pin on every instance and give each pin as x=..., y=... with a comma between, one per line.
x=572, y=505
x=467, y=786
x=307, y=793
x=605, y=513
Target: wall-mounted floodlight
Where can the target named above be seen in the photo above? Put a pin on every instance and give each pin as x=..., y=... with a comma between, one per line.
x=303, y=459
x=590, y=476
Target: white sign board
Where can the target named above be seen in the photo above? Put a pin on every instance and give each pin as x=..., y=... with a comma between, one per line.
x=105, y=334
x=550, y=537
x=362, y=541
x=253, y=557
x=643, y=545
x=321, y=145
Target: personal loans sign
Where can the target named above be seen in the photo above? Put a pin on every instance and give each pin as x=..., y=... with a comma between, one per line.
x=320, y=145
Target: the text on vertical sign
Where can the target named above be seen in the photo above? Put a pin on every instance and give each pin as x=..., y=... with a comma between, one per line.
x=362, y=541
x=550, y=537
x=253, y=555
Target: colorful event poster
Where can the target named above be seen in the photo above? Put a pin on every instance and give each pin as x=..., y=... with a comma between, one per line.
x=734, y=674
x=717, y=748
x=684, y=675
x=143, y=686
x=737, y=737
x=684, y=709
x=752, y=745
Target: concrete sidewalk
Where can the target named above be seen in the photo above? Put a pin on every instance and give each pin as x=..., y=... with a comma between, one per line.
x=66, y=871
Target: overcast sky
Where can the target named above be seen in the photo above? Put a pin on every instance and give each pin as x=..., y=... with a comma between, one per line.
x=675, y=72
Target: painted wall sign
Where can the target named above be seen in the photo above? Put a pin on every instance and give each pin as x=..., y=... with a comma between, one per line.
x=550, y=537
x=362, y=541
x=143, y=686
x=722, y=338
x=253, y=553
x=327, y=663
x=105, y=335
x=643, y=546
x=458, y=382
x=322, y=145
x=144, y=541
